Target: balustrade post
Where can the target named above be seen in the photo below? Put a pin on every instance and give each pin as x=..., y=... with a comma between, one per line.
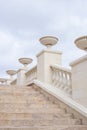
x=46, y=58
x=11, y=73
x=3, y=82
x=21, y=77
x=79, y=74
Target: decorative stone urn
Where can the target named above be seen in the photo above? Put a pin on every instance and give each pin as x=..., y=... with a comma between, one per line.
x=3, y=80
x=25, y=61
x=47, y=57
x=11, y=73
x=48, y=41
x=81, y=43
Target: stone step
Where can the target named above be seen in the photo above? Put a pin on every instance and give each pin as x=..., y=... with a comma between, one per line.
x=16, y=87
x=26, y=110
x=30, y=94
x=20, y=92
x=25, y=94
x=23, y=100
x=26, y=90
x=9, y=89
x=65, y=127
x=26, y=98
x=9, y=116
x=34, y=128
x=39, y=122
x=28, y=105
x=16, y=92
x=81, y=127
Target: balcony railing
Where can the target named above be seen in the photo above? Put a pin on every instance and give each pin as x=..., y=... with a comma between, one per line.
x=31, y=75
x=14, y=82
x=61, y=78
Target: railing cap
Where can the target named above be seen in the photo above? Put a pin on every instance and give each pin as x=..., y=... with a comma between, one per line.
x=30, y=70
x=61, y=68
x=81, y=59
x=49, y=51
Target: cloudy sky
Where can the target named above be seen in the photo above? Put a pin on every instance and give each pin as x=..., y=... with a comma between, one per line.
x=23, y=22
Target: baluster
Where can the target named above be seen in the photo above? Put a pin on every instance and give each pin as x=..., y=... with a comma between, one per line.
x=35, y=74
x=53, y=76
x=70, y=84
x=32, y=75
x=66, y=83
x=58, y=78
x=62, y=80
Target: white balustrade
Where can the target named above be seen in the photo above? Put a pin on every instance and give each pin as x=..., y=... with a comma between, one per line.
x=61, y=78
x=31, y=75
x=14, y=82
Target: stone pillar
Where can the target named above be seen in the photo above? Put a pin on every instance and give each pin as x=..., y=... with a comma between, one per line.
x=79, y=74
x=11, y=73
x=21, y=78
x=46, y=58
x=79, y=80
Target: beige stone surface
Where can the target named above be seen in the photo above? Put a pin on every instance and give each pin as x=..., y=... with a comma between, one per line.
x=27, y=108
x=21, y=77
x=79, y=80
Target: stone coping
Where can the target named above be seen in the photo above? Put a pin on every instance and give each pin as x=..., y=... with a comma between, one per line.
x=30, y=70
x=49, y=51
x=61, y=68
x=80, y=60
x=62, y=97
x=21, y=70
x=15, y=80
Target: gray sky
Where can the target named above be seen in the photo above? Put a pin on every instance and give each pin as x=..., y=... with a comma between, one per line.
x=23, y=22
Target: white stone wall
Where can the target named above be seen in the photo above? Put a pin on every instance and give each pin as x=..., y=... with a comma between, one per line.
x=79, y=80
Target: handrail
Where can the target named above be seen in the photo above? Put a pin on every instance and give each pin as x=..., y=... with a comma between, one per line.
x=71, y=104
x=31, y=75
x=61, y=78
x=14, y=82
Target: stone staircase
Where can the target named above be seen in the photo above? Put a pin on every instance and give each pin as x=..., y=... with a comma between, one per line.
x=27, y=109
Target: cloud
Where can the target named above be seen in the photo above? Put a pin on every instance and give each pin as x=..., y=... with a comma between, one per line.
x=23, y=22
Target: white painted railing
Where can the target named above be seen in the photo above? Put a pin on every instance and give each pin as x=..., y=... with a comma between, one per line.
x=31, y=75
x=61, y=78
